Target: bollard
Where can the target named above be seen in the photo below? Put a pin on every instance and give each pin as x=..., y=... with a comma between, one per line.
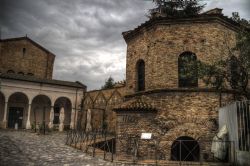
x=16, y=126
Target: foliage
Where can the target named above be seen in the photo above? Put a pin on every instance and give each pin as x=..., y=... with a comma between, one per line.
x=109, y=83
x=178, y=8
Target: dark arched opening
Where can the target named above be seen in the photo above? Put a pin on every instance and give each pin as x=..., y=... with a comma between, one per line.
x=185, y=149
x=187, y=70
x=140, y=75
x=65, y=103
x=2, y=105
x=40, y=106
x=17, y=109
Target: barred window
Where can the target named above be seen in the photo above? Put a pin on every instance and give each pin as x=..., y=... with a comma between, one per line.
x=187, y=70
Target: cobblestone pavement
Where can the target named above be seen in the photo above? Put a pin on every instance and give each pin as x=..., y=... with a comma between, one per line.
x=23, y=148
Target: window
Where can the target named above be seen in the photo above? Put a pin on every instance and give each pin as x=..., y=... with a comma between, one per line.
x=239, y=76
x=10, y=72
x=187, y=70
x=24, y=51
x=234, y=72
x=140, y=75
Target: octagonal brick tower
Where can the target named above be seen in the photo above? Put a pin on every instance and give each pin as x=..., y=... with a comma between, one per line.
x=160, y=41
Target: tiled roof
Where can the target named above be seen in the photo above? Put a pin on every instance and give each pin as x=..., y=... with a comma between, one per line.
x=168, y=21
x=44, y=81
x=135, y=105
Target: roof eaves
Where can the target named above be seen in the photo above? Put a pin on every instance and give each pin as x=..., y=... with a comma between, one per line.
x=162, y=20
x=31, y=41
x=43, y=81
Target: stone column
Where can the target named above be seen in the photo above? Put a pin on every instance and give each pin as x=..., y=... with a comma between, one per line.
x=5, y=115
x=76, y=117
x=72, y=119
x=88, y=125
x=61, y=118
x=51, y=117
x=28, y=126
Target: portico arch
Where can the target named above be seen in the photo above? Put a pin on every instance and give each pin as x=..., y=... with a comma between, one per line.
x=40, y=110
x=2, y=105
x=18, y=105
x=62, y=113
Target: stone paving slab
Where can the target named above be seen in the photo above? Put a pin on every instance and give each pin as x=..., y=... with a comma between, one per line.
x=23, y=148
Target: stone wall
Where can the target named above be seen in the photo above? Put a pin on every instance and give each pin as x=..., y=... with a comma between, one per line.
x=22, y=55
x=192, y=114
x=160, y=45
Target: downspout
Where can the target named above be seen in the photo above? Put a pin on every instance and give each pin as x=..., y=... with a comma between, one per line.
x=75, y=109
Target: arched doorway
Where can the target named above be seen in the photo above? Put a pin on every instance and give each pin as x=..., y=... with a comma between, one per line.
x=17, y=107
x=185, y=149
x=2, y=104
x=40, y=106
x=62, y=113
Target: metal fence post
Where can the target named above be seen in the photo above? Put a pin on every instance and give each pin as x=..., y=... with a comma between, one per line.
x=180, y=151
x=94, y=144
x=105, y=142
x=112, y=149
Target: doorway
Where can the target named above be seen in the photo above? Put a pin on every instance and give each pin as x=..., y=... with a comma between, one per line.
x=15, y=116
x=56, y=115
x=185, y=149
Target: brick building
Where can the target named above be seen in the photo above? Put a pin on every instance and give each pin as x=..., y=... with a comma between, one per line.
x=26, y=57
x=159, y=98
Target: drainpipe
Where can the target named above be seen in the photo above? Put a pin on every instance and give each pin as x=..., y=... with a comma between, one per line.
x=75, y=109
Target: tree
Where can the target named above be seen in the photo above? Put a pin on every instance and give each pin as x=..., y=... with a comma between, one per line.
x=109, y=83
x=177, y=8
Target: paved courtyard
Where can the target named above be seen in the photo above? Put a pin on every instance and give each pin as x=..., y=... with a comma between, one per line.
x=23, y=148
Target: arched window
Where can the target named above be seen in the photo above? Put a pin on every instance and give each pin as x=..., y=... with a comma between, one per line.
x=21, y=73
x=234, y=67
x=10, y=72
x=187, y=70
x=239, y=78
x=140, y=75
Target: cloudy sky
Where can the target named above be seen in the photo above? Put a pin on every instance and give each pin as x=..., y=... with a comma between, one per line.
x=86, y=35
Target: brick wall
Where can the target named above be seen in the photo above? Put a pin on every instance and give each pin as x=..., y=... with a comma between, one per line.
x=192, y=114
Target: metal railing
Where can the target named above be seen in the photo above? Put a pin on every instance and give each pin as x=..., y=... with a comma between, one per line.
x=133, y=150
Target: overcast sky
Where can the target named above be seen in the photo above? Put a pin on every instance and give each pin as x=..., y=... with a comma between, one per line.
x=85, y=35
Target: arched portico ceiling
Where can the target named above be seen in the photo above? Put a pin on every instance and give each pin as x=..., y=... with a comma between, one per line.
x=42, y=100
x=63, y=102
x=18, y=97
x=2, y=97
